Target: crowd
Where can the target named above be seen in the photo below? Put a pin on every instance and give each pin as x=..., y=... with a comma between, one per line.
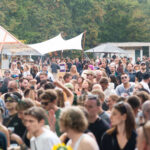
x=101, y=104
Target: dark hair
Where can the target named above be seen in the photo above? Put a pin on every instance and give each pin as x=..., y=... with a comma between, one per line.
x=49, y=85
x=143, y=95
x=49, y=94
x=36, y=112
x=125, y=108
x=134, y=101
x=67, y=75
x=24, y=105
x=94, y=97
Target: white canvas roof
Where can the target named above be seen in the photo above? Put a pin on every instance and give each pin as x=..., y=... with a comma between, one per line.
x=58, y=43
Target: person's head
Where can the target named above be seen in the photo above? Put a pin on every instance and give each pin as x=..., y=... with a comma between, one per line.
x=143, y=96
x=12, y=86
x=112, y=100
x=97, y=87
x=67, y=77
x=22, y=106
x=98, y=74
x=146, y=77
x=146, y=110
x=34, y=119
x=125, y=78
x=143, y=66
x=100, y=94
x=11, y=101
x=130, y=67
x=43, y=76
x=112, y=67
x=73, y=69
x=122, y=114
x=49, y=99
x=137, y=87
x=104, y=82
x=7, y=73
x=134, y=102
x=90, y=74
x=13, y=65
x=44, y=67
x=24, y=84
x=26, y=67
x=143, y=142
x=87, y=85
x=103, y=64
x=92, y=104
x=49, y=85
x=80, y=80
x=73, y=118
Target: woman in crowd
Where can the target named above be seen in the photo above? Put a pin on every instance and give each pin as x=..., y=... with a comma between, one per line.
x=74, y=123
x=112, y=100
x=74, y=72
x=122, y=135
x=14, y=70
x=26, y=70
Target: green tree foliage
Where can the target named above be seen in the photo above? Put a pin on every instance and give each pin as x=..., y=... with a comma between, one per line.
x=104, y=20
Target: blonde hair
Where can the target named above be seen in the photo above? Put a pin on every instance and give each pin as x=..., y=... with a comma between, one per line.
x=73, y=118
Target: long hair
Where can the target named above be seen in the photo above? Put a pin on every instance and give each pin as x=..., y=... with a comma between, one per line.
x=125, y=108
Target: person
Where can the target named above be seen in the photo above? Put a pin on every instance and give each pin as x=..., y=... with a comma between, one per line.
x=112, y=100
x=140, y=73
x=122, y=135
x=74, y=123
x=143, y=142
x=145, y=81
x=146, y=110
x=49, y=103
x=126, y=88
x=26, y=70
x=134, y=102
x=12, y=122
x=131, y=72
x=96, y=124
x=43, y=139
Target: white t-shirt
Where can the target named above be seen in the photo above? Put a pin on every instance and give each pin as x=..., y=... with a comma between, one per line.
x=45, y=141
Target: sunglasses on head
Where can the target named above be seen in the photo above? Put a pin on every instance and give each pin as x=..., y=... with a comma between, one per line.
x=9, y=101
x=125, y=77
x=44, y=103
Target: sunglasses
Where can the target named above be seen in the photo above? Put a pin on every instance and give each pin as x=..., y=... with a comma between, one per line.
x=44, y=103
x=9, y=101
x=125, y=77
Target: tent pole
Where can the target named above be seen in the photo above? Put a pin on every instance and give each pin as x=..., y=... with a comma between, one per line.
x=1, y=49
x=83, y=44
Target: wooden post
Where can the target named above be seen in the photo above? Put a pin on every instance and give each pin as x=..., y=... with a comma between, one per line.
x=83, y=44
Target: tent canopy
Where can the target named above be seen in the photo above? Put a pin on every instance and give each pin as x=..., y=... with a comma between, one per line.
x=12, y=46
x=58, y=43
x=107, y=48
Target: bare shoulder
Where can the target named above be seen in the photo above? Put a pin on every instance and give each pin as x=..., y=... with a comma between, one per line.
x=88, y=143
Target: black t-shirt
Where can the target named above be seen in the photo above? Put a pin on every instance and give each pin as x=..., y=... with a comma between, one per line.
x=110, y=142
x=139, y=76
x=98, y=128
x=15, y=123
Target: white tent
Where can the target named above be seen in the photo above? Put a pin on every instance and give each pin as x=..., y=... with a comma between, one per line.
x=58, y=43
x=9, y=45
x=106, y=48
